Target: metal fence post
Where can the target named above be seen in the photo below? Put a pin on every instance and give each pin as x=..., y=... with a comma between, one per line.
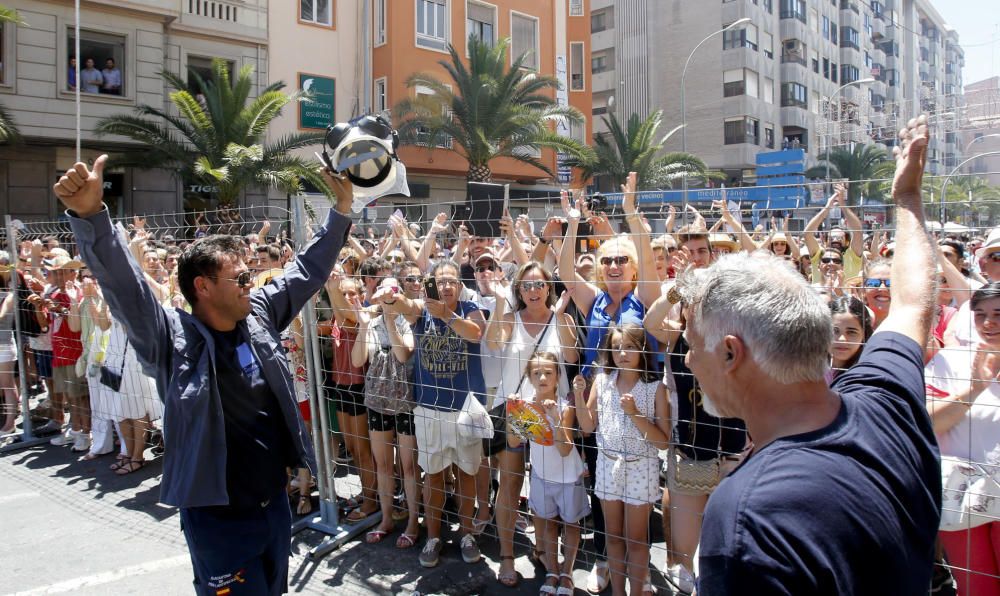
x=328, y=520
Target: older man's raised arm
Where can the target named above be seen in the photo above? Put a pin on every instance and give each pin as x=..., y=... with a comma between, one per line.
x=914, y=265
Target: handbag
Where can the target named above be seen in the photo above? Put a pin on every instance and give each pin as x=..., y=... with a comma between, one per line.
x=695, y=475
x=474, y=421
x=109, y=377
x=387, y=388
x=970, y=494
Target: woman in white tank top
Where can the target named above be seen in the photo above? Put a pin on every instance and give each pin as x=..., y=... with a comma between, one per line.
x=538, y=319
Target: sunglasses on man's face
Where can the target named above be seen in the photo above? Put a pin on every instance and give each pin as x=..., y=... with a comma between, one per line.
x=620, y=260
x=873, y=283
x=413, y=279
x=243, y=280
x=833, y=260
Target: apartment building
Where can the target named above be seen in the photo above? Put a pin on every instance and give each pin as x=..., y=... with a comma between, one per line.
x=814, y=74
x=410, y=36
x=982, y=134
x=143, y=37
x=317, y=46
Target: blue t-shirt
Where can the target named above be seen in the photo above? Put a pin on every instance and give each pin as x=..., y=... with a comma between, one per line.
x=852, y=508
x=446, y=367
x=631, y=310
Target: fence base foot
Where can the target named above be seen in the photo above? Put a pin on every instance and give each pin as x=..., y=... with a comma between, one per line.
x=18, y=442
x=337, y=533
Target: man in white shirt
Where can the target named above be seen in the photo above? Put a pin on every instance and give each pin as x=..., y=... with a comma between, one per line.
x=112, y=78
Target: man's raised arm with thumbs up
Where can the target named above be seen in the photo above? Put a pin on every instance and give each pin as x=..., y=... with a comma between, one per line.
x=232, y=424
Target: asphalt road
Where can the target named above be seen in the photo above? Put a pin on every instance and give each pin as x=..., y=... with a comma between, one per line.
x=68, y=526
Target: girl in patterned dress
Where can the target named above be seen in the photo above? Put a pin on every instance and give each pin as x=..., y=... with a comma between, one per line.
x=629, y=410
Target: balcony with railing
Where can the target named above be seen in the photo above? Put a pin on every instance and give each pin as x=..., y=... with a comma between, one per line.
x=241, y=19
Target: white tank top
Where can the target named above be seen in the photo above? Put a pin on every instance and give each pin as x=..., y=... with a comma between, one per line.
x=548, y=464
x=515, y=359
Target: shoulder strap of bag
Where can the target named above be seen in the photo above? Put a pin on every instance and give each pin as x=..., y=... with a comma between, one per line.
x=534, y=350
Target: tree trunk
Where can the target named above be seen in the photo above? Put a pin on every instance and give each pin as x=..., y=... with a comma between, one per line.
x=479, y=173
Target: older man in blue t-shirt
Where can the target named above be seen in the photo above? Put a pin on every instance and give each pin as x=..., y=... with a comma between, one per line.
x=841, y=493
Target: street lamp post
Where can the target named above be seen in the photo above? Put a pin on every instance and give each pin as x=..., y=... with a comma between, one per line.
x=742, y=21
x=977, y=139
x=836, y=94
x=944, y=185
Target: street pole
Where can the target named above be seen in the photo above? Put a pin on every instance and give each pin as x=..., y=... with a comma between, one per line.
x=835, y=95
x=944, y=185
x=684, y=179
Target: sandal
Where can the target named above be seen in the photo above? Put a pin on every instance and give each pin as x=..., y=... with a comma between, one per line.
x=130, y=466
x=375, y=536
x=479, y=525
x=508, y=579
x=120, y=460
x=305, y=505
x=547, y=589
x=566, y=590
x=406, y=540
x=357, y=515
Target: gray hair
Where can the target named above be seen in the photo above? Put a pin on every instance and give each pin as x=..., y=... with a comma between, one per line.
x=759, y=298
x=4, y=257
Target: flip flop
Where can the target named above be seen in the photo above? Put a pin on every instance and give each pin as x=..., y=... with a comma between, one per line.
x=406, y=540
x=375, y=536
x=508, y=579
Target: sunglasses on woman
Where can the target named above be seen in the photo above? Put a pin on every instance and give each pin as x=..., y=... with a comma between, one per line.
x=534, y=285
x=873, y=283
x=620, y=260
x=833, y=260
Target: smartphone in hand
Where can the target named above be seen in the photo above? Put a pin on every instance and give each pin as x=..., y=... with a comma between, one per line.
x=431, y=288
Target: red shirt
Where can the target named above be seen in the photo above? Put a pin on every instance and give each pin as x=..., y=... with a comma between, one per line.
x=66, y=345
x=343, y=373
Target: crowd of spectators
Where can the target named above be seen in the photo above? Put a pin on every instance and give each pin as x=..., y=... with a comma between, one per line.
x=424, y=338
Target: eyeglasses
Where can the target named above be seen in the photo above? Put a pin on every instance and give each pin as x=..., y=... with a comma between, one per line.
x=394, y=259
x=833, y=260
x=447, y=282
x=413, y=279
x=534, y=284
x=873, y=282
x=485, y=268
x=243, y=280
x=620, y=260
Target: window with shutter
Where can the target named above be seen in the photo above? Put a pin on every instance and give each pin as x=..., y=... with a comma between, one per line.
x=524, y=40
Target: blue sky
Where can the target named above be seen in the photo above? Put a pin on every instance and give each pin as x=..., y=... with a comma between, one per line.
x=978, y=26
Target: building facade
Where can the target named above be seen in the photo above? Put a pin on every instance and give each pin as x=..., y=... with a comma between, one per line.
x=982, y=107
x=410, y=36
x=143, y=38
x=814, y=74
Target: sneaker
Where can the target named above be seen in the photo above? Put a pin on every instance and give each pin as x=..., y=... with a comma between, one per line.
x=680, y=578
x=598, y=579
x=470, y=550
x=431, y=553
x=81, y=443
x=47, y=428
x=64, y=439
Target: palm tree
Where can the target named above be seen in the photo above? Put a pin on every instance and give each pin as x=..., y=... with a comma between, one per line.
x=860, y=164
x=218, y=136
x=488, y=110
x=634, y=148
x=8, y=128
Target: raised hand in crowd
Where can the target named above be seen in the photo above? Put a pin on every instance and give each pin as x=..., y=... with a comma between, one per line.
x=81, y=188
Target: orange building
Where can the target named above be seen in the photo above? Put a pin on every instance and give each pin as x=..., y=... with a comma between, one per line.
x=410, y=36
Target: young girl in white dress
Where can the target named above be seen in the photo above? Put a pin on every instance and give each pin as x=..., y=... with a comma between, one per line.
x=629, y=409
x=557, y=495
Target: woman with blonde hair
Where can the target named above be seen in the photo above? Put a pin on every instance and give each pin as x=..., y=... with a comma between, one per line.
x=625, y=286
